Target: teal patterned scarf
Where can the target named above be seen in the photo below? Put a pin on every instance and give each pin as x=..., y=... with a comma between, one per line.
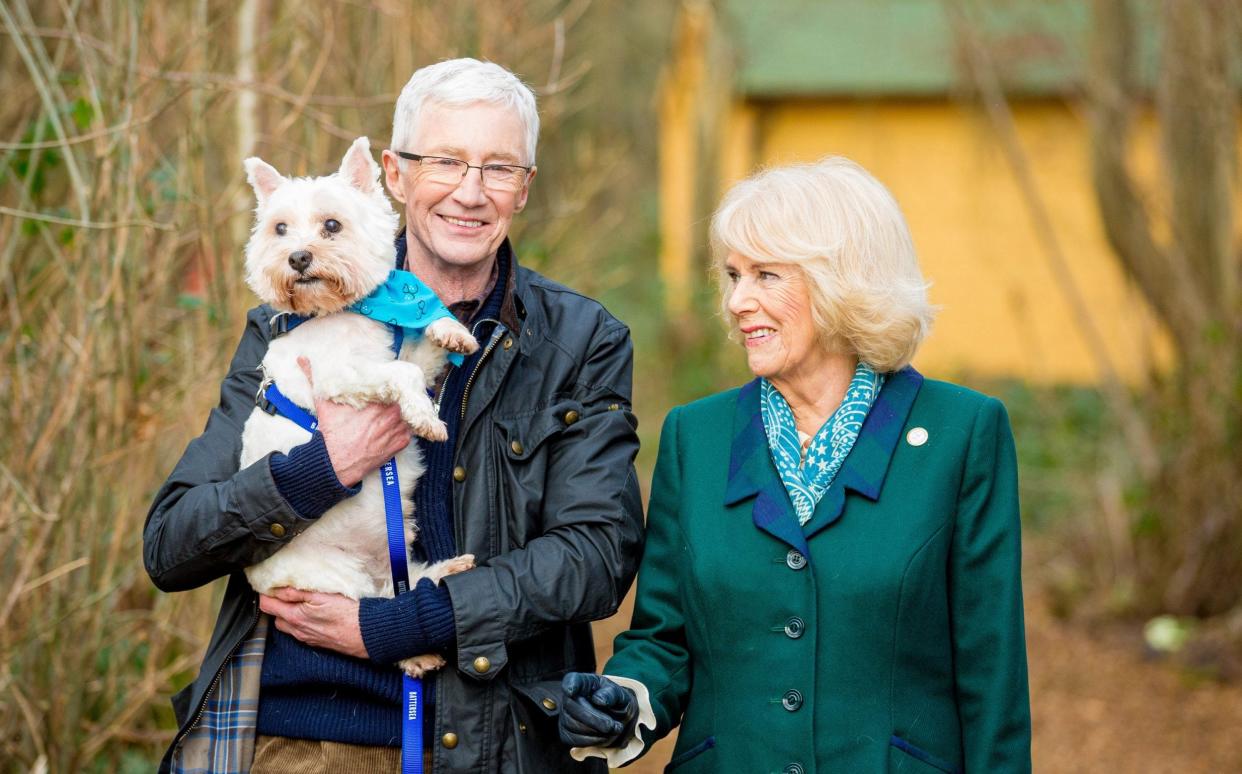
x=807, y=480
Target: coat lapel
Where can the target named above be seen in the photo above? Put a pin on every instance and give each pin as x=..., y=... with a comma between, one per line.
x=752, y=474
x=867, y=464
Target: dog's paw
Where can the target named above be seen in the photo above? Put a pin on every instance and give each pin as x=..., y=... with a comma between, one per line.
x=459, y=564
x=450, y=567
x=428, y=426
x=420, y=665
x=420, y=414
x=452, y=335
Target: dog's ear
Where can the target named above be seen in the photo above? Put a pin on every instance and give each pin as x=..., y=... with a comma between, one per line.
x=263, y=177
x=358, y=168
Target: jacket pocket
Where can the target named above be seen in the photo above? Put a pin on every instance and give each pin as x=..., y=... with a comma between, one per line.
x=690, y=753
x=543, y=695
x=522, y=455
x=536, y=741
x=524, y=434
x=906, y=757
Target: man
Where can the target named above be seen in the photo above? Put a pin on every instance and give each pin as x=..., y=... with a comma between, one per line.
x=536, y=480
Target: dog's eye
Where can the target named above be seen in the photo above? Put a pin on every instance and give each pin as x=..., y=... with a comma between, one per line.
x=281, y=229
x=332, y=226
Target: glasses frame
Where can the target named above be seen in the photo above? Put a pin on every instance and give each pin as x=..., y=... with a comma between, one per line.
x=420, y=158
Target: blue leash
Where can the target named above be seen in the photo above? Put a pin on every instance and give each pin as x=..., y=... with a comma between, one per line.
x=411, y=688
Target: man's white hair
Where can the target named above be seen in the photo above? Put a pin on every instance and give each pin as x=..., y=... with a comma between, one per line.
x=462, y=82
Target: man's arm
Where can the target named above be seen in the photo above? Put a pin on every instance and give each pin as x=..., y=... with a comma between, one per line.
x=581, y=566
x=209, y=518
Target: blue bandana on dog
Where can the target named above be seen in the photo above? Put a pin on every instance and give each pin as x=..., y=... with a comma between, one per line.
x=404, y=301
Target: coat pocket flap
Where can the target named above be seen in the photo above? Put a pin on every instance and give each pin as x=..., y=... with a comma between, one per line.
x=920, y=754
x=524, y=434
x=546, y=695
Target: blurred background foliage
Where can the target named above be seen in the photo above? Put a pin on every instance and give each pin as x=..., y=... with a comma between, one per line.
x=123, y=211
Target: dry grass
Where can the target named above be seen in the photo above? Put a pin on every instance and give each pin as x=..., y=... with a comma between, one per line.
x=122, y=214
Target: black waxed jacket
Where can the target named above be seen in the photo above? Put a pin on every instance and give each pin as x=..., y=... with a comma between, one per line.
x=548, y=504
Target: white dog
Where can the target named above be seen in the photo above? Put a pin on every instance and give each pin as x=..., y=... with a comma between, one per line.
x=320, y=245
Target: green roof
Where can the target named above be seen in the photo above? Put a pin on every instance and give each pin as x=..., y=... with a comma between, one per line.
x=900, y=47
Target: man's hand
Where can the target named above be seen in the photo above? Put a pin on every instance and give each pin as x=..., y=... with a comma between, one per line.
x=320, y=620
x=358, y=441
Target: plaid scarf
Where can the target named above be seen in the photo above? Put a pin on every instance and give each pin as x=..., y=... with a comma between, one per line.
x=806, y=479
x=222, y=742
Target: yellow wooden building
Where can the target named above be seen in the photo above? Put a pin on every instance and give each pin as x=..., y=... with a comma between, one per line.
x=1007, y=230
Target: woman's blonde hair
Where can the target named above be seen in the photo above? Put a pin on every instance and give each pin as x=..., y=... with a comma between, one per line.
x=843, y=229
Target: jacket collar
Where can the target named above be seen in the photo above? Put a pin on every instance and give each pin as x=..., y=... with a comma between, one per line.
x=752, y=473
x=511, y=307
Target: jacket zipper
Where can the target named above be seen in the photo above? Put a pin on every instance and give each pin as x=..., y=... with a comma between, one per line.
x=440, y=393
x=465, y=396
x=215, y=681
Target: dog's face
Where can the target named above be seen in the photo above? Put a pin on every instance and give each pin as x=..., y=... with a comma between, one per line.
x=319, y=244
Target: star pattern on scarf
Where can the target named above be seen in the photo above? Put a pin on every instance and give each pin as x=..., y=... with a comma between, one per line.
x=807, y=478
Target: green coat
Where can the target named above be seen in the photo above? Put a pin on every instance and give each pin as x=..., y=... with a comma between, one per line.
x=885, y=636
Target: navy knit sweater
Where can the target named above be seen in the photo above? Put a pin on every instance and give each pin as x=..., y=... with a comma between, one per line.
x=311, y=693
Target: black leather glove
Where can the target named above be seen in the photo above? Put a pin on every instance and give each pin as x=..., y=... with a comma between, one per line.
x=596, y=711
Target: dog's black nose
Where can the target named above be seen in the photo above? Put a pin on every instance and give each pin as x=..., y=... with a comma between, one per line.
x=299, y=260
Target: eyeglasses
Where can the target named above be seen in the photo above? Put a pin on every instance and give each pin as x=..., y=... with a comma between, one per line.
x=496, y=177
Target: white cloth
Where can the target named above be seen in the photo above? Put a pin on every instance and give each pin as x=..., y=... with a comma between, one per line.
x=619, y=756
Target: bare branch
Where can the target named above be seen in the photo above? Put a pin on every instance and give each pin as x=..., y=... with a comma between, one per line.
x=1198, y=120
x=81, y=138
x=247, y=104
x=558, y=54
x=42, y=85
x=312, y=81
x=222, y=80
x=44, y=218
x=1111, y=87
x=983, y=72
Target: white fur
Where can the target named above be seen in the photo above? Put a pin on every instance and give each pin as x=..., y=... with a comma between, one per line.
x=345, y=551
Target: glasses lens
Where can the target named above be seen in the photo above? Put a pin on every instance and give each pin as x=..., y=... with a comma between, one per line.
x=443, y=170
x=502, y=177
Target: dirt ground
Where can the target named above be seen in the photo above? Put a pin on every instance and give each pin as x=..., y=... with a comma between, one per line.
x=1098, y=705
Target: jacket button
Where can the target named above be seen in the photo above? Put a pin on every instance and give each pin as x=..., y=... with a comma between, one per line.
x=794, y=768
x=277, y=530
x=795, y=560
x=794, y=628
x=571, y=416
x=449, y=740
x=517, y=447
x=522, y=728
x=481, y=664
x=508, y=342
x=459, y=474
x=550, y=704
x=792, y=700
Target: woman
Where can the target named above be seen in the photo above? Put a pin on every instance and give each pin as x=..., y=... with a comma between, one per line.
x=832, y=573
